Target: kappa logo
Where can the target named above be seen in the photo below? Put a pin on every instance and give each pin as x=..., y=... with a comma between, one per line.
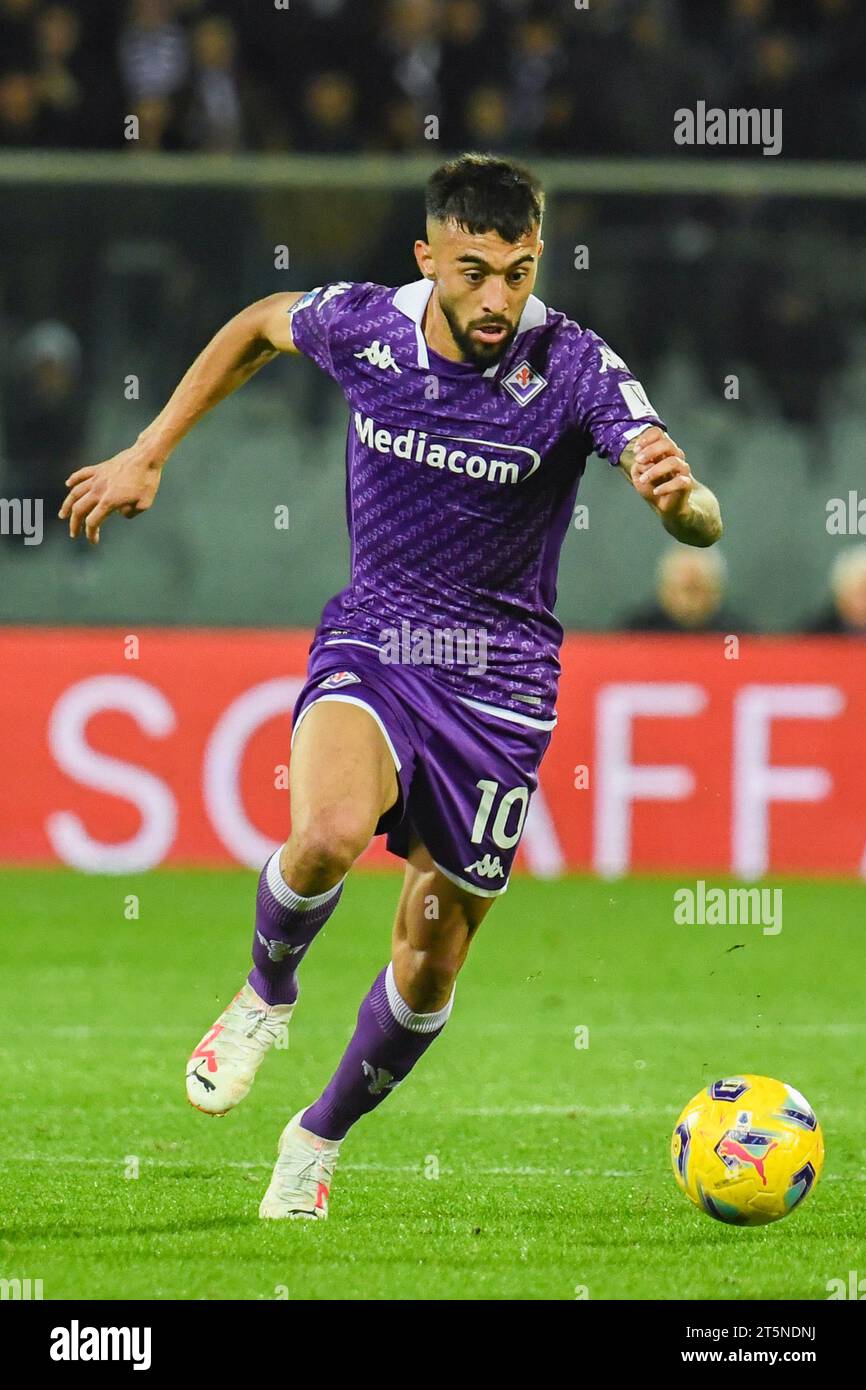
x=338, y=287
x=488, y=867
x=338, y=678
x=379, y=1079
x=608, y=359
x=379, y=355
x=278, y=950
x=312, y=296
x=524, y=383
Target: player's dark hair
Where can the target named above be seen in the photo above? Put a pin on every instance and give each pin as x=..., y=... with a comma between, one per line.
x=483, y=193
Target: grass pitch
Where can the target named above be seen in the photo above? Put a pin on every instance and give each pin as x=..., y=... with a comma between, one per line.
x=510, y=1165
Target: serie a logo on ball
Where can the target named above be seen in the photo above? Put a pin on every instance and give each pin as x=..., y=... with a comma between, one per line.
x=747, y=1150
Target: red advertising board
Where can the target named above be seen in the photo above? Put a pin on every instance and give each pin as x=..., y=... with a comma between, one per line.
x=122, y=751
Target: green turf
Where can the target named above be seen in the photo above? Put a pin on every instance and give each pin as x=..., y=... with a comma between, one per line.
x=553, y=1169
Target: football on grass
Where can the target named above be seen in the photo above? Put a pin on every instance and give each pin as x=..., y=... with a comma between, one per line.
x=747, y=1150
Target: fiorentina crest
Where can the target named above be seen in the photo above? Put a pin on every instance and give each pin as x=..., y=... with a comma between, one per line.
x=524, y=383
x=338, y=678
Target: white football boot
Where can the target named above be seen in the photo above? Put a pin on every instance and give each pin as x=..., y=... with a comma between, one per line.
x=301, y=1181
x=223, y=1067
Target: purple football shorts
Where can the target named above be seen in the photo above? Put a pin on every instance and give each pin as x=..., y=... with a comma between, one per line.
x=465, y=776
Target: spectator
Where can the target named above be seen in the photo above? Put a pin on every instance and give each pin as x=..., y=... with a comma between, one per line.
x=846, y=614
x=215, y=116
x=465, y=62
x=64, y=88
x=557, y=133
x=402, y=130
x=798, y=344
x=156, y=126
x=330, y=104
x=153, y=52
x=537, y=61
x=17, y=40
x=487, y=119
x=43, y=414
x=21, y=122
x=775, y=78
x=411, y=54
x=649, y=60
x=595, y=83
x=690, y=589
x=227, y=107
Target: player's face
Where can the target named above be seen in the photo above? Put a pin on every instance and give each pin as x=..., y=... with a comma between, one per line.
x=482, y=285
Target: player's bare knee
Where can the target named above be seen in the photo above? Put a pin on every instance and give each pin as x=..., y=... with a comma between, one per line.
x=323, y=847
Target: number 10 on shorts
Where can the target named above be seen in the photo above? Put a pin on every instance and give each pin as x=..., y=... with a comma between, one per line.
x=500, y=834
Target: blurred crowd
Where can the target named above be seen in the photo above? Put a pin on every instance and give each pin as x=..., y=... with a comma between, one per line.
x=769, y=289
x=690, y=597
x=43, y=424
x=347, y=76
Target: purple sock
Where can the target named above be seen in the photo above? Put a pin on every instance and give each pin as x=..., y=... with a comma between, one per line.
x=286, y=924
x=388, y=1040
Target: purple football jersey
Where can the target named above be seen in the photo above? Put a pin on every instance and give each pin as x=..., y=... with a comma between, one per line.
x=461, y=482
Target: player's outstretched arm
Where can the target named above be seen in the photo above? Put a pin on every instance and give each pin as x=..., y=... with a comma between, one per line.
x=128, y=482
x=657, y=469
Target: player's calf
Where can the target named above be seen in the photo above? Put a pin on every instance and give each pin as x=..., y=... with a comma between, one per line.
x=404, y=1012
x=389, y=1039
x=342, y=780
x=223, y=1067
x=287, y=923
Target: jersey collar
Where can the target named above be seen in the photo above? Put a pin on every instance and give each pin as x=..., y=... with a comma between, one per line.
x=411, y=300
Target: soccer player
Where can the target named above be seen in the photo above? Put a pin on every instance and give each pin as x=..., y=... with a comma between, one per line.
x=432, y=677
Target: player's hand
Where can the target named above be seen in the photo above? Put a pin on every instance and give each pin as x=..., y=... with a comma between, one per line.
x=661, y=472
x=127, y=484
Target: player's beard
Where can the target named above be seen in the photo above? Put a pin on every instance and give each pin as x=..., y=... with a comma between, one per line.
x=480, y=354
